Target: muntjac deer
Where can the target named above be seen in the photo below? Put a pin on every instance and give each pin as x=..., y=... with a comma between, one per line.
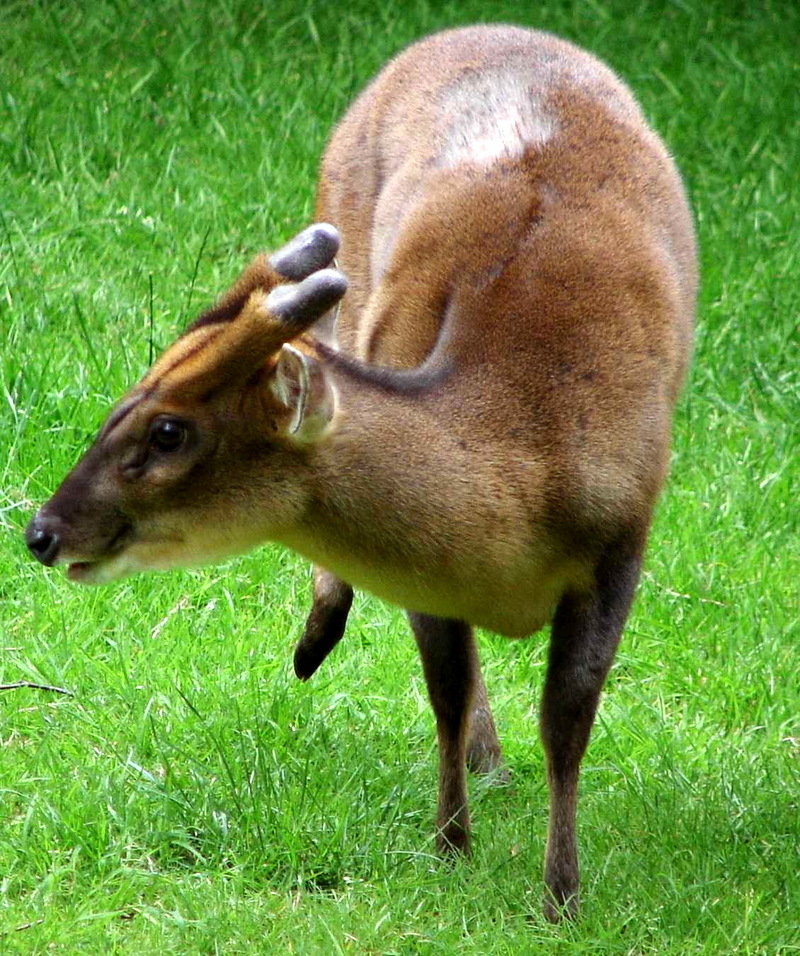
x=479, y=435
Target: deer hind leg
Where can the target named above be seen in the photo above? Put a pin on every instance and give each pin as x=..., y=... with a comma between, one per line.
x=586, y=631
x=325, y=624
x=464, y=724
x=484, y=755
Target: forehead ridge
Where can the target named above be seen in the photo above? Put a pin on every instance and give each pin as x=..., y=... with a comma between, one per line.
x=187, y=351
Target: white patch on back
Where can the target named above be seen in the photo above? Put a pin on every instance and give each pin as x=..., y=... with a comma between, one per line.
x=490, y=116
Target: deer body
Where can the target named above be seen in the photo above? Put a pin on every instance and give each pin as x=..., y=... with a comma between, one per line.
x=457, y=541
x=508, y=212
x=480, y=437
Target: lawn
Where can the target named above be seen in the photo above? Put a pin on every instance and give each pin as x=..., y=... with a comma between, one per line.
x=192, y=796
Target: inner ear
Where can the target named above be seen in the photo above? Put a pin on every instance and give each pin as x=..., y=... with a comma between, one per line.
x=304, y=387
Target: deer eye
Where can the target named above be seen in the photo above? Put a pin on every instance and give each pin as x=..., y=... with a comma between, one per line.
x=167, y=434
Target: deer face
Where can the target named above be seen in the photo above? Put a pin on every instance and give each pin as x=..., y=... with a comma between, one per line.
x=206, y=456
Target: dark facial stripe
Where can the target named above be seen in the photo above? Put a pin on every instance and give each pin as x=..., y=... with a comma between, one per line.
x=120, y=413
x=124, y=409
x=186, y=356
x=220, y=313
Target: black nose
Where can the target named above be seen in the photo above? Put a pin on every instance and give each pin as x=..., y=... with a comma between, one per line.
x=42, y=540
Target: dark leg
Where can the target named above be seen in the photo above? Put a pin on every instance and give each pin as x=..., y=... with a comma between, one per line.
x=586, y=631
x=458, y=696
x=323, y=631
x=325, y=624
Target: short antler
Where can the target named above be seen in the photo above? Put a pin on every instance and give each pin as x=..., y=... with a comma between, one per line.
x=310, y=250
x=266, y=323
x=298, y=306
x=266, y=316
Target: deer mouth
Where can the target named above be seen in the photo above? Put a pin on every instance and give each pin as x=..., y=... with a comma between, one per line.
x=105, y=569
x=131, y=553
x=82, y=572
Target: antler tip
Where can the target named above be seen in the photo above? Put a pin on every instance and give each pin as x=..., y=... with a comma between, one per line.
x=310, y=250
x=304, y=303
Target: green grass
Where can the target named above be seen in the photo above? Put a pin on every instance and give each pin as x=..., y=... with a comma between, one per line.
x=193, y=797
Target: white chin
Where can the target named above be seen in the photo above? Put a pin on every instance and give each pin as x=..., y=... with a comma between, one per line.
x=147, y=556
x=123, y=565
x=100, y=572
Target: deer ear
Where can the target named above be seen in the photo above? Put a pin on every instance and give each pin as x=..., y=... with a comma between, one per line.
x=304, y=387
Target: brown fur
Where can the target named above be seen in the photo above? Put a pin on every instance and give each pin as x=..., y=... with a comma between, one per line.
x=522, y=269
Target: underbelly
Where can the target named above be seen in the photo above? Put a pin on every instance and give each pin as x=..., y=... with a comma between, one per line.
x=511, y=605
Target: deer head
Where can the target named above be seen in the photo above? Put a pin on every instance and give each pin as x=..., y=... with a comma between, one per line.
x=198, y=461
